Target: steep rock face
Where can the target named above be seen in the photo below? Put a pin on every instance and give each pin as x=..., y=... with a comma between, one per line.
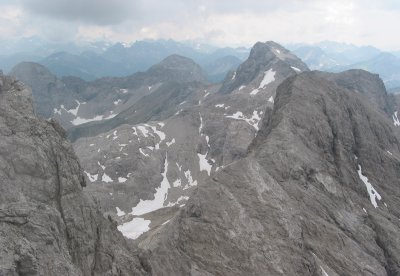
x=300, y=203
x=48, y=226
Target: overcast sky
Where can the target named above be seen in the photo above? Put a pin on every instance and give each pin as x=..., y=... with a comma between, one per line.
x=219, y=22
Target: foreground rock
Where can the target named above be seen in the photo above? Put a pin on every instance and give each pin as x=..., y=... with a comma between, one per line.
x=48, y=226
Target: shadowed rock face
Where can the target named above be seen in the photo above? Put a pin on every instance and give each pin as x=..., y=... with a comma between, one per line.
x=365, y=83
x=48, y=225
x=297, y=204
x=49, y=92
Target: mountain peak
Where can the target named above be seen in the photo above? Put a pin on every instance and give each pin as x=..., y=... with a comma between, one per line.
x=25, y=67
x=263, y=56
x=175, y=61
x=265, y=52
x=177, y=68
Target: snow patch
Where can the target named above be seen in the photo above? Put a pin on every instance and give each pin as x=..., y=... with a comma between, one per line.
x=295, y=69
x=203, y=163
x=103, y=167
x=170, y=143
x=323, y=271
x=57, y=111
x=105, y=178
x=120, y=213
x=74, y=111
x=181, y=198
x=92, y=177
x=143, y=153
x=134, y=228
x=146, y=206
x=78, y=120
x=122, y=179
x=373, y=194
x=201, y=124
x=242, y=87
x=396, y=119
x=269, y=76
x=271, y=99
x=177, y=183
x=144, y=131
x=189, y=178
x=160, y=134
x=253, y=120
x=255, y=91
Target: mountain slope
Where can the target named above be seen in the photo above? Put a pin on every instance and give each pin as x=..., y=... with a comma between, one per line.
x=159, y=160
x=73, y=101
x=153, y=95
x=48, y=225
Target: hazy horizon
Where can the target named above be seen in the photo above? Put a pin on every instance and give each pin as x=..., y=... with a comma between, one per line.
x=220, y=23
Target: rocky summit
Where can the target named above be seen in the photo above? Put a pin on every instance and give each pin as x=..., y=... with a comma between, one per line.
x=278, y=170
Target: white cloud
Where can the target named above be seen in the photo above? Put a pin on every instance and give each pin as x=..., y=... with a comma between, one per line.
x=222, y=22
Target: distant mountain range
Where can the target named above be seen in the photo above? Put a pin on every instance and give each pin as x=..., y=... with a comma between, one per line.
x=93, y=60
x=103, y=59
x=337, y=57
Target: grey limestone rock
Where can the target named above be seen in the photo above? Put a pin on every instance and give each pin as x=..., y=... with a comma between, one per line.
x=48, y=225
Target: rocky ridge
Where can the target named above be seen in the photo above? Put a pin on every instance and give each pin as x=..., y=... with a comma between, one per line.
x=48, y=225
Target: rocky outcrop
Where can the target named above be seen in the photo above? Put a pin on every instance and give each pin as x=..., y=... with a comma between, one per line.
x=366, y=83
x=317, y=195
x=49, y=92
x=48, y=225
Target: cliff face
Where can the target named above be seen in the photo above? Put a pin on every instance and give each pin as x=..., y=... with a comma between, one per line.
x=316, y=195
x=48, y=226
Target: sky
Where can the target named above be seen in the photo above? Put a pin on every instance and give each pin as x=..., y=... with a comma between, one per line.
x=218, y=22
